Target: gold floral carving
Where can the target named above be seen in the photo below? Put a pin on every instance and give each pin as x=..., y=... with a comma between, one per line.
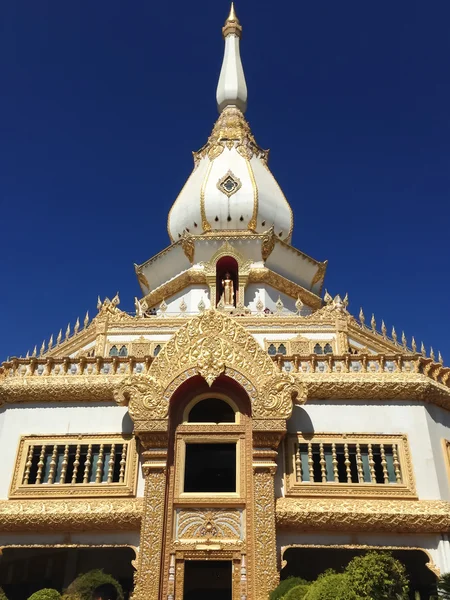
x=152, y=533
x=188, y=245
x=197, y=524
x=231, y=130
x=340, y=514
x=252, y=223
x=268, y=244
x=266, y=574
x=143, y=395
x=76, y=514
x=208, y=345
x=278, y=395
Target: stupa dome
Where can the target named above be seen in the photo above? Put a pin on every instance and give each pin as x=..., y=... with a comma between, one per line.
x=231, y=187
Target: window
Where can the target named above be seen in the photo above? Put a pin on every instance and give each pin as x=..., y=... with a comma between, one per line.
x=326, y=463
x=212, y=410
x=157, y=350
x=75, y=465
x=210, y=468
x=114, y=351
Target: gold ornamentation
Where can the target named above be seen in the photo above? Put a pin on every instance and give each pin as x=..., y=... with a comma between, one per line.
x=197, y=524
x=120, y=446
x=232, y=24
x=404, y=488
x=281, y=284
x=142, y=279
x=205, y=223
x=231, y=127
x=143, y=395
x=268, y=244
x=188, y=245
x=71, y=515
x=152, y=532
x=266, y=573
x=278, y=395
x=341, y=514
x=252, y=224
x=229, y=184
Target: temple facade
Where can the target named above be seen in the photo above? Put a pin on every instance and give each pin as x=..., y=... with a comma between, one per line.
x=241, y=424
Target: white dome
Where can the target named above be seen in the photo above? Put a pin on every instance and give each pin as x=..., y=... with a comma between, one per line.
x=231, y=187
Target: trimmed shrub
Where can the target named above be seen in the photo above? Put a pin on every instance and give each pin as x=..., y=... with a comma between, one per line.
x=2, y=594
x=331, y=586
x=84, y=586
x=377, y=576
x=284, y=586
x=298, y=592
x=45, y=594
x=443, y=586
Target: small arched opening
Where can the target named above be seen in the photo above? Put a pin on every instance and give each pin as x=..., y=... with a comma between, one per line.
x=227, y=281
x=211, y=410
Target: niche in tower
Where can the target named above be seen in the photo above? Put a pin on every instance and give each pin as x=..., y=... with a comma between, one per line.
x=227, y=282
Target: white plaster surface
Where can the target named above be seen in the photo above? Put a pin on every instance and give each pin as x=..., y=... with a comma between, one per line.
x=54, y=419
x=402, y=417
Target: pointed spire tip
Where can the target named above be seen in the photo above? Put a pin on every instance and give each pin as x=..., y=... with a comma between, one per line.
x=232, y=24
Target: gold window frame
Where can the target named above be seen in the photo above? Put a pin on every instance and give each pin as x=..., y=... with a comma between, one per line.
x=86, y=490
x=233, y=436
x=406, y=489
x=303, y=346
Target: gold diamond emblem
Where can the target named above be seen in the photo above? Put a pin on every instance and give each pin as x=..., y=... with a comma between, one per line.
x=229, y=184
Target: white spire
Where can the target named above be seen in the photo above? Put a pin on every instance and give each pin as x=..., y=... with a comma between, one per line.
x=232, y=89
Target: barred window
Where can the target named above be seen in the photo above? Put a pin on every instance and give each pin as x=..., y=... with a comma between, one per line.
x=326, y=462
x=80, y=465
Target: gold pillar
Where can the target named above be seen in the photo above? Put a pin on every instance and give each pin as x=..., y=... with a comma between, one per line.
x=148, y=576
x=265, y=551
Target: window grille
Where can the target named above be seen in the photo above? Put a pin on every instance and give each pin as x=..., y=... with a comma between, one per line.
x=75, y=465
x=346, y=465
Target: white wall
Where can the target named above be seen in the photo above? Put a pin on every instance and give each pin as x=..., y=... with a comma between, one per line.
x=55, y=419
x=389, y=417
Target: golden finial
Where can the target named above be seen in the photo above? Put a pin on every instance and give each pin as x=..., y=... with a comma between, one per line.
x=67, y=332
x=50, y=342
x=414, y=345
x=86, y=319
x=345, y=300
x=404, y=341
x=394, y=335
x=34, y=351
x=422, y=349
x=59, y=338
x=328, y=298
x=373, y=323
x=77, y=326
x=431, y=353
x=232, y=24
x=42, y=350
x=27, y=355
x=383, y=328
x=362, y=318
x=99, y=303
x=440, y=359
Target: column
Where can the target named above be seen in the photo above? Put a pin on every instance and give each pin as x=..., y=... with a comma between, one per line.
x=148, y=573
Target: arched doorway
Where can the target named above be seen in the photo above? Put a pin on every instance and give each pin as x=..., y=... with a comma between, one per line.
x=209, y=487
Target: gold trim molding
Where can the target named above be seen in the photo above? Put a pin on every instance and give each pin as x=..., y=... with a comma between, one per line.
x=340, y=514
x=71, y=515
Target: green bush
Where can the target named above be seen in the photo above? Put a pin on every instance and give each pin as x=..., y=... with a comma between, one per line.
x=284, y=586
x=83, y=587
x=44, y=594
x=443, y=586
x=331, y=586
x=2, y=594
x=298, y=592
x=377, y=576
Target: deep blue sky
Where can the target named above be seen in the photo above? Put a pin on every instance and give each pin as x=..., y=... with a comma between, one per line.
x=102, y=102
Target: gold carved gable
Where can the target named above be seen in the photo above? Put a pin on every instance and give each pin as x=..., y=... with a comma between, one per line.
x=227, y=250
x=210, y=345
